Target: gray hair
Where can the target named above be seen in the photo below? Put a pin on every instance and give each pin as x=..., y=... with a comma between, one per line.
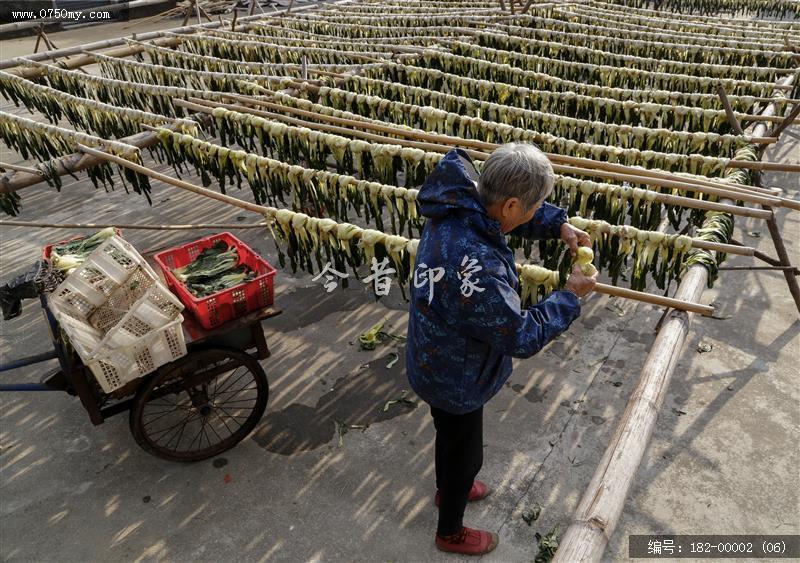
x=516, y=170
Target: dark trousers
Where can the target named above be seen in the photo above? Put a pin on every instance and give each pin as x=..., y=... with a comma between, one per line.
x=459, y=457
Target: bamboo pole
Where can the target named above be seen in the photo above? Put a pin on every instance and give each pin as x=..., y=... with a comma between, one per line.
x=792, y=269
x=600, y=507
x=770, y=166
x=433, y=143
x=738, y=249
x=748, y=212
x=599, y=510
x=18, y=168
x=601, y=288
x=103, y=156
x=4, y=223
x=723, y=96
x=672, y=303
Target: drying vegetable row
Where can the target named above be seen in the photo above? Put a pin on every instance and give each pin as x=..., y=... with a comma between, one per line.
x=42, y=141
x=126, y=93
x=751, y=30
x=780, y=9
x=687, y=16
x=664, y=43
x=255, y=51
x=646, y=56
x=106, y=120
x=495, y=123
x=274, y=180
x=418, y=86
x=467, y=58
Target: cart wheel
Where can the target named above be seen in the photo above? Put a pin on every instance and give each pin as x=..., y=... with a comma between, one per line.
x=200, y=405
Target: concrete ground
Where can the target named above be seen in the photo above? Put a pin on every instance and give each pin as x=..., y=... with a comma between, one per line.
x=723, y=458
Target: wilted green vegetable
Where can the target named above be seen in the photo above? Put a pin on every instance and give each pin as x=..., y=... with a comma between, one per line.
x=233, y=278
x=211, y=262
x=68, y=256
x=216, y=268
x=375, y=335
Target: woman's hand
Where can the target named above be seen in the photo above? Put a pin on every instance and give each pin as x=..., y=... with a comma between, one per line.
x=574, y=237
x=579, y=283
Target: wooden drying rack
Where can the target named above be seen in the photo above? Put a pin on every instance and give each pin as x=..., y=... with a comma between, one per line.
x=603, y=501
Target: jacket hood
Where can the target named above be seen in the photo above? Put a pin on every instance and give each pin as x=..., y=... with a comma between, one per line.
x=451, y=187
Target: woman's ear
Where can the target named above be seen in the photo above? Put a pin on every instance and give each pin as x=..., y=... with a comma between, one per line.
x=510, y=207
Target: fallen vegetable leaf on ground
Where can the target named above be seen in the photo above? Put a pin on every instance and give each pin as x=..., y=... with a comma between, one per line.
x=548, y=545
x=613, y=307
x=532, y=514
x=343, y=428
x=402, y=399
x=375, y=335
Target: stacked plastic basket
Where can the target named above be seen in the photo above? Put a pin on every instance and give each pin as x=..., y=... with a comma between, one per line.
x=122, y=321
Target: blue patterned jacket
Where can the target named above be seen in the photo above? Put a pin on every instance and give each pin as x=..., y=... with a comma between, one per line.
x=461, y=339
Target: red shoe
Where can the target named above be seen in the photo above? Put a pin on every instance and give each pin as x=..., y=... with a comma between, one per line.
x=468, y=542
x=479, y=491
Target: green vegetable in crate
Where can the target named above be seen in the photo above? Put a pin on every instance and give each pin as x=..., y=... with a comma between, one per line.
x=215, y=269
x=211, y=263
x=68, y=256
x=237, y=276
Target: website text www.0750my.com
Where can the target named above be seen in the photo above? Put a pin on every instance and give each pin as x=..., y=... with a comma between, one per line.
x=59, y=14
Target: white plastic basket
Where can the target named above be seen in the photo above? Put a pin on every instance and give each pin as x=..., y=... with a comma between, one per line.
x=104, y=270
x=122, y=321
x=114, y=367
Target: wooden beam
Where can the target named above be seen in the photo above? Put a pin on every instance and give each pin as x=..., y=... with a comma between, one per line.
x=18, y=168
x=735, y=125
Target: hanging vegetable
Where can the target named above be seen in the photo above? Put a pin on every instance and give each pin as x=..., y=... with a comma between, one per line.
x=44, y=141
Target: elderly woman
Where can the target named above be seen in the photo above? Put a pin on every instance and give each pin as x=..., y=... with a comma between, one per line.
x=466, y=321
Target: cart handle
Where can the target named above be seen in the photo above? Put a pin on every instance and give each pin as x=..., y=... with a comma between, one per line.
x=25, y=387
x=30, y=360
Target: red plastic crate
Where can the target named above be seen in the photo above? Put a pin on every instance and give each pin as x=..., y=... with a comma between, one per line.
x=228, y=304
x=47, y=249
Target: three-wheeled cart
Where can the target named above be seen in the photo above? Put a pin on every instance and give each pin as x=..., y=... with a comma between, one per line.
x=193, y=408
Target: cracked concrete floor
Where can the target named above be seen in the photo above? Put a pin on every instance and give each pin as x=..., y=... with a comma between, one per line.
x=723, y=458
